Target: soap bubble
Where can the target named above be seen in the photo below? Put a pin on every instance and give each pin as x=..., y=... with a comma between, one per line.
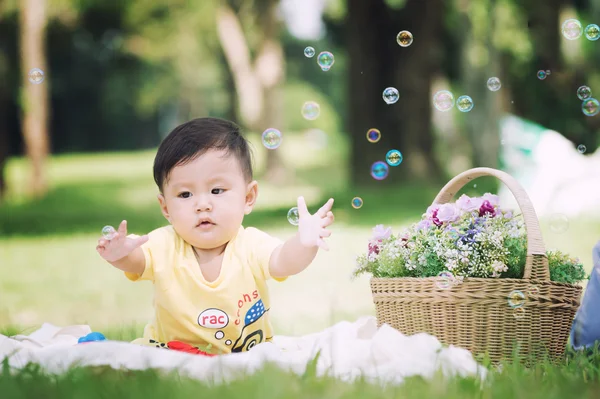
x=494, y=84
x=309, y=52
x=444, y=280
x=443, y=100
x=584, y=92
x=581, y=149
x=373, y=135
x=311, y=110
x=464, y=103
x=572, y=29
x=516, y=299
x=391, y=95
x=325, y=60
x=379, y=170
x=271, y=138
x=293, y=217
x=559, y=223
x=36, y=76
x=533, y=290
x=108, y=232
x=541, y=74
x=393, y=157
x=592, y=32
x=357, y=202
x=404, y=38
x=590, y=107
x=518, y=313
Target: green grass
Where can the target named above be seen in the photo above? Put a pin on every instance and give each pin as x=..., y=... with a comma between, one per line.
x=50, y=272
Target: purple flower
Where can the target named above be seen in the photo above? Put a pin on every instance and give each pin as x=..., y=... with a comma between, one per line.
x=492, y=198
x=424, y=224
x=448, y=213
x=468, y=204
x=381, y=233
x=487, y=208
x=435, y=219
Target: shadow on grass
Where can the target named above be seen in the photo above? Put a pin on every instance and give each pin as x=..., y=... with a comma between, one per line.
x=86, y=208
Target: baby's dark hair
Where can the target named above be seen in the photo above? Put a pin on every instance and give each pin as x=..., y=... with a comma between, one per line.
x=190, y=140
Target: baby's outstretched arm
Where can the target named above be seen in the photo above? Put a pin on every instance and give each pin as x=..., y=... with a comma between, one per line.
x=123, y=252
x=299, y=251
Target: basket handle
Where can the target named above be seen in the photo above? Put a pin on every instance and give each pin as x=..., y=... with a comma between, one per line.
x=536, y=264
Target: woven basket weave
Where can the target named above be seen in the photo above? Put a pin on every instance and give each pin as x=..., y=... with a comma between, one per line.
x=475, y=314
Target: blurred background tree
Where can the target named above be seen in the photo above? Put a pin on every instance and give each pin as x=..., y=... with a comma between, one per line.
x=120, y=75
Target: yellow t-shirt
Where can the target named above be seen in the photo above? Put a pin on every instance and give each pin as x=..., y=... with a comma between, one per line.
x=231, y=314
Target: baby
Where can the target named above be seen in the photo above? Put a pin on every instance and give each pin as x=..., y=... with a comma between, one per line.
x=209, y=272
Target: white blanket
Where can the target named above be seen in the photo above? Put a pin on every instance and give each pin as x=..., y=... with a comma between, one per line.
x=347, y=351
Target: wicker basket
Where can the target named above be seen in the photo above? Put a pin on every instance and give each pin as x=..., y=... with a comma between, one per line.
x=475, y=314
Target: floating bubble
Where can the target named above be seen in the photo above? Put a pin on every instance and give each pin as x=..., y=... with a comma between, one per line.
x=391, y=95
x=592, y=32
x=373, y=135
x=219, y=335
x=357, y=202
x=271, y=138
x=494, y=84
x=533, y=290
x=379, y=170
x=518, y=313
x=584, y=92
x=444, y=280
x=36, y=76
x=443, y=100
x=325, y=60
x=309, y=52
x=590, y=107
x=293, y=217
x=404, y=38
x=516, y=299
x=108, y=232
x=541, y=74
x=393, y=157
x=559, y=223
x=581, y=149
x=311, y=110
x=572, y=29
x=464, y=103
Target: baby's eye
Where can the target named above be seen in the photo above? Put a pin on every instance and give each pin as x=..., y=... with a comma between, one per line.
x=217, y=191
x=185, y=194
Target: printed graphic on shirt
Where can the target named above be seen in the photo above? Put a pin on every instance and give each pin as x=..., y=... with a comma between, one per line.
x=251, y=334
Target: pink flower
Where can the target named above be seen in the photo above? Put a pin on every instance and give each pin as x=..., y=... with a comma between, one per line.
x=381, y=233
x=492, y=198
x=468, y=204
x=448, y=213
x=374, y=247
x=486, y=207
x=431, y=214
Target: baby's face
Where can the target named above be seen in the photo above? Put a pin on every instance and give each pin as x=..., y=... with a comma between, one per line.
x=206, y=199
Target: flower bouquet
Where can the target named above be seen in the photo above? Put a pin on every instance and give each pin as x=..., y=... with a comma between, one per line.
x=473, y=237
x=475, y=275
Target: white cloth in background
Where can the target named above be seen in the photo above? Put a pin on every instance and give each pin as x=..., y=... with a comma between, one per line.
x=347, y=351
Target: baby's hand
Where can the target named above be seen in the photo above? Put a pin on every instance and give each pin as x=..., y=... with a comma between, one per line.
x=119, y=246
x=311, y=228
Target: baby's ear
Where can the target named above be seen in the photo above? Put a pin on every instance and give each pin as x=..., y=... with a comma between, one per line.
x=163, y=206
x=251, y=196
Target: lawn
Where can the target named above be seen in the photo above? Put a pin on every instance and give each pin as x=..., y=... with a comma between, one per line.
x=50, y=272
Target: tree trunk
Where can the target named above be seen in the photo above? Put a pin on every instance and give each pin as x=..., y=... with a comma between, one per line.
x=376, y=61
x=258, y=83
x=34, y=105
x=481, y=124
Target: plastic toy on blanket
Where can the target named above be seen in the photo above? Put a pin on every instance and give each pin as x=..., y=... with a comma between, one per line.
x=91, y=337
